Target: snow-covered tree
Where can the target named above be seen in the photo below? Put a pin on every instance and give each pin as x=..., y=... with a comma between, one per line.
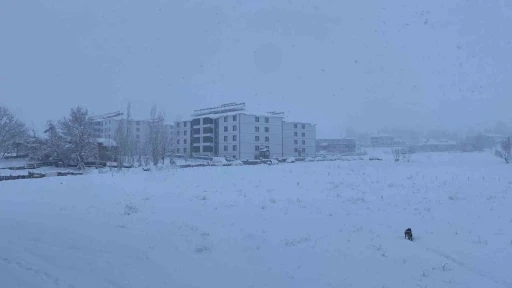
x=12, y=130
x=505, y=150
x=78, y=136
x=124, y=138
x=157, y=136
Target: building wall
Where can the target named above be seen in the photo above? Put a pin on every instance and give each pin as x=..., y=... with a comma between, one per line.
x=241, y=143
x=299, y=139
x=269, y=135
x=229, y=141
x=182, y=137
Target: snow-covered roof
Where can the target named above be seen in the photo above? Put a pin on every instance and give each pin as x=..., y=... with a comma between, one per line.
x=438, y=142
x=382, y=135
x=106, y=142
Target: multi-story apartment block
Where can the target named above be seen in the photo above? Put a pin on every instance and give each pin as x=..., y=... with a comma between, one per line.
x=299, y=139
x=107, y=125
x=230, y=131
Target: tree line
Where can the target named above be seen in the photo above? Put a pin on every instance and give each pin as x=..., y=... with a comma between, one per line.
x=74, y=140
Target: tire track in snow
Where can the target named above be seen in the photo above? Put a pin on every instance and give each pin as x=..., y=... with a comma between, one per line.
x=27, y=268
x=500, y=282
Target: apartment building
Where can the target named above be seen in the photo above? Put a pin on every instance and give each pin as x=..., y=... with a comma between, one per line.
x=343, y=145
x=106, y=126
x=299, y=139
x=231, y=131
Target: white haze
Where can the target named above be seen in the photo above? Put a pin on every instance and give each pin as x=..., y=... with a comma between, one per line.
x=362, y=64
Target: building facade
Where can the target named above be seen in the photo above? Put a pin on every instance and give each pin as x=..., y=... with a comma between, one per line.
x=382, y=141
x=229, y=131
x=344, y=145
x=299, y=139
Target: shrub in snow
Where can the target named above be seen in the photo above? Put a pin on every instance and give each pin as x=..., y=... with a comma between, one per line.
x=203, y=248
x=504, y=151
x=130, y=209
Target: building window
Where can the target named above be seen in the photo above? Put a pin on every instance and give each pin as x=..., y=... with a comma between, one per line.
x=257, y=138
x=256, y=129
x=303, y=150
x=177, y=150
x=303, y=134
x=178, y=133
x=267, y=139
x=184, y=141
x=295, y=134
x=185, y=124
x=225, y=128
x=225, y=138
x=225, y=148
x=235, y=128
x=295, y=150
x=138, y=123
x=267, y=120
x=267, y=147
x=138, y=129
x=177, y=124
x=185, y=133
x=303, y=126
x=225, y=118
x=234, y=138
x=178, y=141
x=234, y=147
x=267, y=129
x=303, y=142
x=257, y=148
x=295, y=142
x=295, y=125
x=137, y=136
x=185, y=150
x=257, y=119
x=234, y=118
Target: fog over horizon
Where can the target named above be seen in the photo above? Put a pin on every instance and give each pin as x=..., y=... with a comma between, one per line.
x=364, y=65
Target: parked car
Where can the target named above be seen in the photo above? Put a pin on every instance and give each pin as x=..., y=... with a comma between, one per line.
x=272, y=162
x=237, y=163
x=290, y=160
x=309, y=159
x=219, y=161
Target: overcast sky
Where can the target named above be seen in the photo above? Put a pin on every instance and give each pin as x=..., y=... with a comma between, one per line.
x=366, y=64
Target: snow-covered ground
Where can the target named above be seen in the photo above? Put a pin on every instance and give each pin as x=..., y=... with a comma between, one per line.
x=315, y=224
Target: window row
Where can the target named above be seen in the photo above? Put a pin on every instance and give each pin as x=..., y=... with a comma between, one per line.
x=235, y=138
x=296, y=134
x=235, y=128
x=257, y=139
x=226, y=148
x=257, y=129
x=297, y=150
x=185, y=133
x=178, y=150
x=297, y=142
x=178, y=124
x=296, y=126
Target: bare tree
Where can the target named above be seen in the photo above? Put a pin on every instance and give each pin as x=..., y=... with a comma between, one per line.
x=124, y=137
x=505, y=150
x=11, y=131
x=78, y=136
x=396, y=153
x=156, y=137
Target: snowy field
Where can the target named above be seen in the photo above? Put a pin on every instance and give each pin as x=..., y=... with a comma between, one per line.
x=319, y=224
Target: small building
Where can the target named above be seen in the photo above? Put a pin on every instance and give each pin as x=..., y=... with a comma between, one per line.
x=382, y=140
x=431, y=145
x=344, y=145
